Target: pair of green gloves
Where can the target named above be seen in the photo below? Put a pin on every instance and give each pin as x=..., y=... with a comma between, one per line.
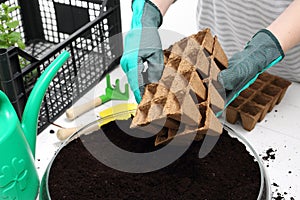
x=143, y=61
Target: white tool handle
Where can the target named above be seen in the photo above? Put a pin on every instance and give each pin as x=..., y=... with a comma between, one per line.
x=64, y=133
x=74, y=112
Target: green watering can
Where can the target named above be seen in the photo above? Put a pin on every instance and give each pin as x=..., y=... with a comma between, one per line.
x=18, y=176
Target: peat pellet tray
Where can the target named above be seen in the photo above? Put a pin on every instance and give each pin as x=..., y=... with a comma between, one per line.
x=187, y=94
x=252, y=105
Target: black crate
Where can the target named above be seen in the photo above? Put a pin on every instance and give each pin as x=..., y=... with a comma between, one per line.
x=88, y=29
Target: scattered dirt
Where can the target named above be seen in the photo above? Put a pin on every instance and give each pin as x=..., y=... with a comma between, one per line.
x=270, y=154
x=279, y=195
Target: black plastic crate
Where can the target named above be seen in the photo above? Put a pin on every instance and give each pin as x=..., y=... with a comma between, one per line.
x=88, y=29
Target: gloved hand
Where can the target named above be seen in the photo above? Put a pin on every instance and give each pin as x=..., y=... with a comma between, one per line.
x=260, y=53
x=142, y=44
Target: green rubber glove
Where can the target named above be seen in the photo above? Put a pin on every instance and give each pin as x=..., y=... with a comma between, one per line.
x=260, y=53
x=143, y=44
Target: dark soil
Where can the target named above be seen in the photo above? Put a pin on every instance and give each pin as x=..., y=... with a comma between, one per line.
x=270, y=154
x=228, y=172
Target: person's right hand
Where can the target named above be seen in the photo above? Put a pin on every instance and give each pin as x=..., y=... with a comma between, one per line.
x=142, y=44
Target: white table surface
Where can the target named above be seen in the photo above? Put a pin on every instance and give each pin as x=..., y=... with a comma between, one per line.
x=279, y=131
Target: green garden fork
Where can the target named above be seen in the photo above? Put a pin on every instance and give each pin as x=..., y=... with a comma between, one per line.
x=111, y=93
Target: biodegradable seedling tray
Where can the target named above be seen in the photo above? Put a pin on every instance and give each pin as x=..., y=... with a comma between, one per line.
x=188, y=82
x=253, y=104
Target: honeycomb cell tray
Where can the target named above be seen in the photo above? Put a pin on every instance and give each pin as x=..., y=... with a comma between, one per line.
x=252, y=105
x=187, y=94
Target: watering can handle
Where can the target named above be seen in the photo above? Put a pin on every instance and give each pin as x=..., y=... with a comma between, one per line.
x=34, y=101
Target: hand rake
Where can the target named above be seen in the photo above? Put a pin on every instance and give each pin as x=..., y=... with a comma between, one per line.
x=111, y=93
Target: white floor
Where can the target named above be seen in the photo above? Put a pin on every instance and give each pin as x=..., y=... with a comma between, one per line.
x=279, y=131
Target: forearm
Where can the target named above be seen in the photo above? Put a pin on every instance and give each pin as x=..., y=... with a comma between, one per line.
x=286, y=27
x=163, y=5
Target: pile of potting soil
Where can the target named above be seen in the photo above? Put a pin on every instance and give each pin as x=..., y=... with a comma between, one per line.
x=227, y=172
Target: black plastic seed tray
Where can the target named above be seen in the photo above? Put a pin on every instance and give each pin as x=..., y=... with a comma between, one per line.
x=88, y=29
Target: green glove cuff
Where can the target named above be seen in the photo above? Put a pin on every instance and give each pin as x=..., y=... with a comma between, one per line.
x=273, y=38
x=147, y=12
x=158, y=12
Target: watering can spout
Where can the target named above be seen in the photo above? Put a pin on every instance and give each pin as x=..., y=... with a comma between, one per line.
x=32, y=108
